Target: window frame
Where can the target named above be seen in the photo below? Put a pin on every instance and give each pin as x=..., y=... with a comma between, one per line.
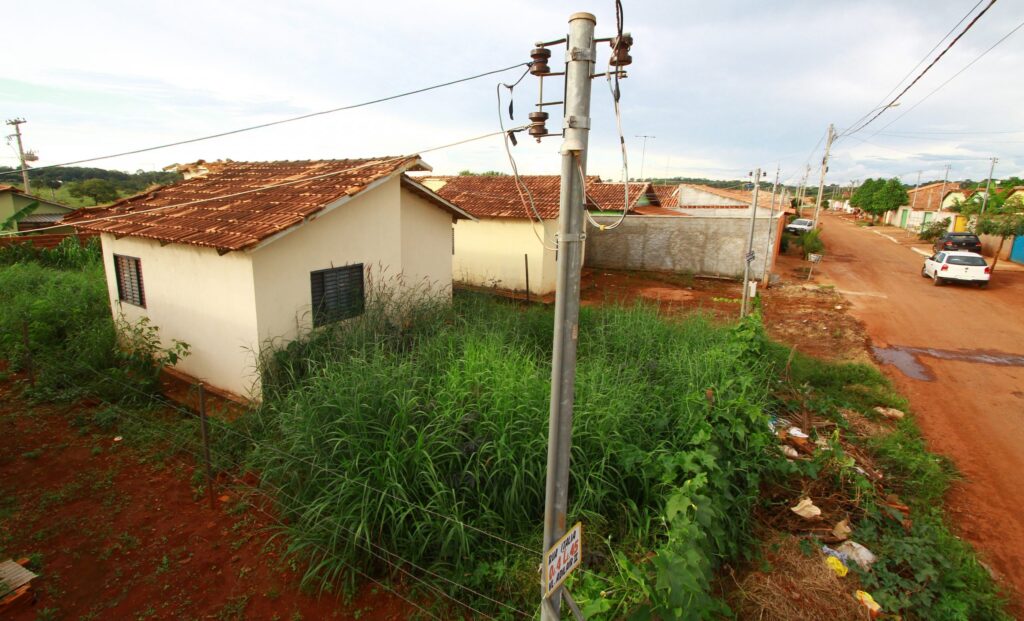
x=123, y=296
x=322, y=316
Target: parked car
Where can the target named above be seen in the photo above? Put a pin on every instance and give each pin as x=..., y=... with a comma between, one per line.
x=958, y=241
x=800, y=226
x=957, y=265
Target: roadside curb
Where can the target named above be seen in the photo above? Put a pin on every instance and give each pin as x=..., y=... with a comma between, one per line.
x=920, y=252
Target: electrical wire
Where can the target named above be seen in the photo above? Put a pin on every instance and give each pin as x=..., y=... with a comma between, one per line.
x=281, y=121
x=622, y=145
x=919, y=63
x=926, y=69
x=269, y=186
x=951, y=78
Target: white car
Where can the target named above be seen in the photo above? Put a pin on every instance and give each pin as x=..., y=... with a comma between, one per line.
x=800, y=226
x=957, y=265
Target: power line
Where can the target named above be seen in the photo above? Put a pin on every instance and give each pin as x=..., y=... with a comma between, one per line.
x=919, y=63
x=951, y=78
x=270, y=186
x=926, y=69
x=288, y=120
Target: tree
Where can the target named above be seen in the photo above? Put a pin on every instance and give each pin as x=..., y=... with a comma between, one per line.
x=99, y=190
x=1003, y=217
x=883, y=196
x=864, y=194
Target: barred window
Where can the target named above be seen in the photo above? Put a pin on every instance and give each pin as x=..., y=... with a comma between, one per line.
x=337, y=293
x=128, y=271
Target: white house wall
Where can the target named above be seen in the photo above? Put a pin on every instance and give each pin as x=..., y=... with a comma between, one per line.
x=364, y=230
x=426, y=244
x=489, y=253
x=194, y=295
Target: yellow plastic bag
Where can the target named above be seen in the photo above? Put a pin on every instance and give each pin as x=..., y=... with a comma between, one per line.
x=837, y=566
x=869, y=602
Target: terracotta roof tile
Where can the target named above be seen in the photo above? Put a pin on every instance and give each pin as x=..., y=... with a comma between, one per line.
x=226, y=208
x=929, y=197
x=667, y=194
x=494, y=196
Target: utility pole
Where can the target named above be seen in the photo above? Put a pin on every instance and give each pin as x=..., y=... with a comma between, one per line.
x=824, y=169
x=21, y=151
x=801, y=191
x=942, y=192
x=749, y=257
x=579, y=67
x=917, y=186
x=771, y=215
x=988, y=184
x=643, y=154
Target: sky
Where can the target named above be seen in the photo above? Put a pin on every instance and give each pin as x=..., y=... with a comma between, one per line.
x=724, y=87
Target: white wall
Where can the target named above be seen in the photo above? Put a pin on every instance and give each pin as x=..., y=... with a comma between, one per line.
x=693, y=196
x=365, y=230
x=489, y=253
x=427, y=236
x=194, y=295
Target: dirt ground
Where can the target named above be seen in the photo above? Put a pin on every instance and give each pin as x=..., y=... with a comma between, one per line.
x=957, y=353
x=118, y=533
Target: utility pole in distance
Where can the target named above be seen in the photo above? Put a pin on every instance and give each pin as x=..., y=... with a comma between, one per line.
x=643, y=154
x=824, y=169
x=771, y=214
x=749, y=257
x=21, y=151
x=988, y=184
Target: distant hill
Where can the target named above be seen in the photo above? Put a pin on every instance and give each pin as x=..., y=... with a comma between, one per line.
x=59, y=184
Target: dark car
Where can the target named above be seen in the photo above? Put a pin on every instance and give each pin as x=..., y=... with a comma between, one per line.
x=958, y=241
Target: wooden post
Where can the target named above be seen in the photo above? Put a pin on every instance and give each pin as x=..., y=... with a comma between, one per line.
x=29, y=365
x=206, y=443
x=526, y=264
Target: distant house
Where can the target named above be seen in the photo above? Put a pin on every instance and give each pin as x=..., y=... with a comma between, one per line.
x=46, y=214
x=928, y=203
x=242, y=255
x=507, y=242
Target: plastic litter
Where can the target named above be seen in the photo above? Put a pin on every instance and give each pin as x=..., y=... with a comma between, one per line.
x=796, y=432
x=806, y=509
x=868, y=602
x=836, y=566
x=858, y=554
x=789, y=451
x=118, y=438
x=842, y=530
x=836, y=553
x=892, y=413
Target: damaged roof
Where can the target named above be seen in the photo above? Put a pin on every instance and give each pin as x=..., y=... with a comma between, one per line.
x=237, y=205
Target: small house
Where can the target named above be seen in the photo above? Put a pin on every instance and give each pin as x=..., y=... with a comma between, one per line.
x=243, y=256
x=45, y=215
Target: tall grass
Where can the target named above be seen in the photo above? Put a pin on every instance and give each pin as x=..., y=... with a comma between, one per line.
x=401, y=433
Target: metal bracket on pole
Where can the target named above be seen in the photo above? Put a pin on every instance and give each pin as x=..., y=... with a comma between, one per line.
x=576, y=122
x=571, y=237
x=578, y=53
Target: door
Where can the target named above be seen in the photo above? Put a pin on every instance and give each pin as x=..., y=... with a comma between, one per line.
x=1017, y=250
x=904, y=214
x=960, y=224
x=927, y=217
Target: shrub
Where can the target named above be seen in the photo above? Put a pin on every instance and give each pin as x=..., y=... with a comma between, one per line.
x=811, y=243
x=934, y=230
x=393, y=427
x=69, y=254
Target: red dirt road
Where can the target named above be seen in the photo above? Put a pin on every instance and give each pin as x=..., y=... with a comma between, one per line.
x=971, y=407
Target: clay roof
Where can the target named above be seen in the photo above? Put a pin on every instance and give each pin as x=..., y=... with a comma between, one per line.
x=236, y=205
x=929, y=197
x=666, y=194
x=764, y=197
x=496, y=196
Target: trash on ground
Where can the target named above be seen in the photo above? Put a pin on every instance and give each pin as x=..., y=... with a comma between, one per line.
x=858, y=554
x=806, y=509
x=796, y=432
x=118, y=438
x=836, y=566
x=842, y=530
x=789, y=451
x=892, y=413
x=868, y=602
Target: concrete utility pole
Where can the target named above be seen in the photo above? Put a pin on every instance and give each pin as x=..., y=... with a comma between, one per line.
x=643, y=154
x=942, y=192
x=917, y=186
x=988, y=184
x=824, y=169
x=771, y=215
x=749, y=258
x=579, y=66
x=21, y=151
x=801, y=191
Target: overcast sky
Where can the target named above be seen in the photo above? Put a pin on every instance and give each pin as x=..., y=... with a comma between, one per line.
x=724, y=86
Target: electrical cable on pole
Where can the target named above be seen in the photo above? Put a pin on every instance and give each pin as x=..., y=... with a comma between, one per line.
x=749, y=257
x=824, y=169
x=988, y=184
x=288, y=120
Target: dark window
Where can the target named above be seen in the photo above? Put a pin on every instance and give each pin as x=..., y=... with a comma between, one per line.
x=964, y=260
x=128, y=271
x=337, y=293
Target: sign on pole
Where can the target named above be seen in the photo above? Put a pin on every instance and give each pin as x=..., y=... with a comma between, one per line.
x=750, y=257
x=562, y=559
x=814, y=258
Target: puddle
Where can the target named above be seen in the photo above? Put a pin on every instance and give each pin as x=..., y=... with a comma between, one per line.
x=906, y=359
x=903, y=360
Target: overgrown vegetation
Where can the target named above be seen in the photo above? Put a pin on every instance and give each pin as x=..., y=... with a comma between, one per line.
x=934, y=230
x=811, y=243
